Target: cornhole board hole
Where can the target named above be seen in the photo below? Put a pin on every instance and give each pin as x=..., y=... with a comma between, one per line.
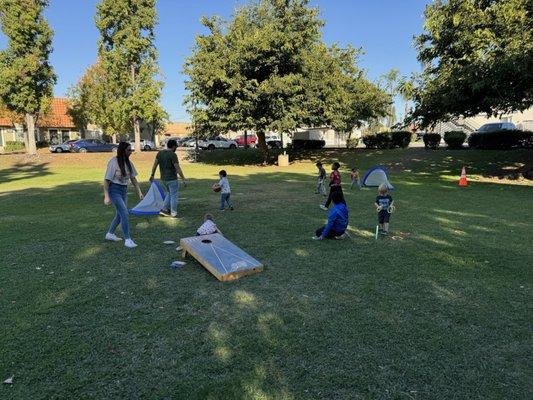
x=219, y=256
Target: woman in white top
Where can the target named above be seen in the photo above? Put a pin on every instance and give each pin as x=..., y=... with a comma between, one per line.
x=119, y=171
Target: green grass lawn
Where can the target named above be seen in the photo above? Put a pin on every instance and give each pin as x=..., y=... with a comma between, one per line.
x=443, y=312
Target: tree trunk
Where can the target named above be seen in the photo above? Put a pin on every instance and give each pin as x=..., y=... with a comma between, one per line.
x=136, y=122
x=114, y=138
x=246, y=139
x=31, y=147
x=263, y=146
x=137, y=131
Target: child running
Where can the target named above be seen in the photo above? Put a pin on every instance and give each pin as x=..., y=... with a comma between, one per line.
x=320, y=188
x=354, y=176
x=337, y=219
x=384, y=206
x=208, y=227
x=334, y=185
x=225, y=191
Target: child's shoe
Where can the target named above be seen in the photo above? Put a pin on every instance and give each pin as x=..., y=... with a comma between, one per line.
x=164, y=213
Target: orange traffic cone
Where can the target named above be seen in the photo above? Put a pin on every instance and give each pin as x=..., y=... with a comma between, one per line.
x=463, y=181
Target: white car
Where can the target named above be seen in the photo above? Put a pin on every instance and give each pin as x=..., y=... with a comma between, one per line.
x=146, y=145
x=273, y=141
x=217, y=142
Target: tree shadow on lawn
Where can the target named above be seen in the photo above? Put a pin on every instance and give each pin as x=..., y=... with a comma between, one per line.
x=21, y=171
x=487, y=163
x=337, y=319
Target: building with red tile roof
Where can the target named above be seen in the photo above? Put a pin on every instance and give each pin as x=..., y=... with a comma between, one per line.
x=54, y=127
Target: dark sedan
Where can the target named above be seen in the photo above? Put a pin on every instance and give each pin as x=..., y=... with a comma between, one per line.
x=92, y=146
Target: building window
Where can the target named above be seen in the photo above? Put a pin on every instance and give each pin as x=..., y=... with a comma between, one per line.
x=65, y=135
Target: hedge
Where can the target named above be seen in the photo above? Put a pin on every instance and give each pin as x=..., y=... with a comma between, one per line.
x=401, y=139
x=352, y=143
x=14, y=146
x=431, y=140
x=388, y=140
x=380, y=140
x=500, y=140
x=454, y=139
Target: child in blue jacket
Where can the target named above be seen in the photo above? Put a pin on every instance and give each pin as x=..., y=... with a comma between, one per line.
x=337, y=219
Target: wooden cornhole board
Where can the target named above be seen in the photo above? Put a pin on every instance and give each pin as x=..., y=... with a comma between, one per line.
x=220, y=257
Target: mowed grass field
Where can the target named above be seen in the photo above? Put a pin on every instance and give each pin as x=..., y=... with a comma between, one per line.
x=441, y=310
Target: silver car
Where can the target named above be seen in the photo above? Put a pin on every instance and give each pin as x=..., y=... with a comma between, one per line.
x=146, y=145
x=61, y=148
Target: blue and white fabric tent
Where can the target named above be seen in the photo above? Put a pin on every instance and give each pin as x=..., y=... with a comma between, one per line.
x=152, y=202
x=375, y=176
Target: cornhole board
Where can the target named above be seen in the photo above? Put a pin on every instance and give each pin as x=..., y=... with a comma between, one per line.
x=219, y=256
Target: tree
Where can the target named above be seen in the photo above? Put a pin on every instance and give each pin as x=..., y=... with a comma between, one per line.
x=26, y=77
x=337, y=93
x=391, y=87
x=267, y=69
x=128, y=57
x=406, y=90
x=477, y=57
x=89, y=101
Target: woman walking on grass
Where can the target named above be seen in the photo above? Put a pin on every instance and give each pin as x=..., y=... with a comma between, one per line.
x=119, y=171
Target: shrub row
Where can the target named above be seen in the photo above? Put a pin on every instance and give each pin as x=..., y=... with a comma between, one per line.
x=454, y=139
x=13, y=146
x=501, y=140
x=388, y=140
x=431, y=140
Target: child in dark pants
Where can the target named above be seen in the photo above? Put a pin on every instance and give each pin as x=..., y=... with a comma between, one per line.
x=384, y=206
x=320, y=189
x=334, y=185
x=337, y=219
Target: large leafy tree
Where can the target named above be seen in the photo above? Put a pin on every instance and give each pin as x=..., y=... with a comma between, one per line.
x=128, y=57
x=337, y=92
x=267, y=69
x=89, y=99
x=26, y=77
x=477, y=57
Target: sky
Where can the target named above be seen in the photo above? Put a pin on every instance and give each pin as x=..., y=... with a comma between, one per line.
x=384, y=29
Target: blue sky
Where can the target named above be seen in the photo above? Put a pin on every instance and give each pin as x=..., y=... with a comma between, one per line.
x=383, y=28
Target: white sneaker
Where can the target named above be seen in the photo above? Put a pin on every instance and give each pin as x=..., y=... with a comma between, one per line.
x=112, y=237
x=130, y=243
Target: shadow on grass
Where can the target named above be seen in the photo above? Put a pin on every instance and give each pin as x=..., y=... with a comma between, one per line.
x=21, y=171
x=487, y=163
x=338, y=319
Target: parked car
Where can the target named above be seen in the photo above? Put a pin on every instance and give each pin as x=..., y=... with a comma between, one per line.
x=217, y=142
x=61, y=148
x=146, y=145
x=273, y=141
x=191, y=142
x=496, y=126
x=251, y=140
x=92, y=146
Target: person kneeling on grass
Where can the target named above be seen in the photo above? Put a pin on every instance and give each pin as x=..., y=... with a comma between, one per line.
x=337, y=219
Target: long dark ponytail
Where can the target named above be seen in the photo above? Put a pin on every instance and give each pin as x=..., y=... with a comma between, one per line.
x=123, y=158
